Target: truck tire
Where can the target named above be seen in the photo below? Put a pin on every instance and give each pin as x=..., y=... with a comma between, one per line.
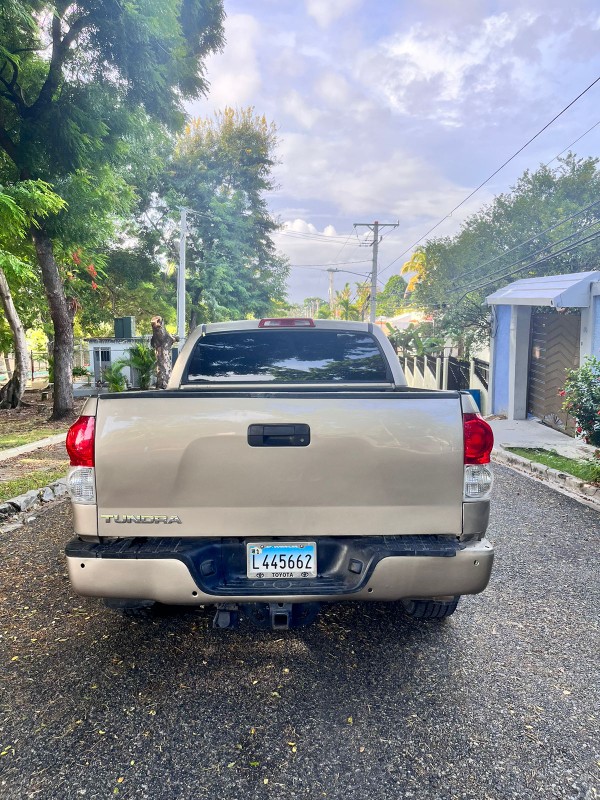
x=429, y=609
x=139, y=609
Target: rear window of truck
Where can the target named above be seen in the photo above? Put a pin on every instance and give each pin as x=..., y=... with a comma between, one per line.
x=287, y=356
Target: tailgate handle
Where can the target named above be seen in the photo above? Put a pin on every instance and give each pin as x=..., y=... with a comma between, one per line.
x=290, y=435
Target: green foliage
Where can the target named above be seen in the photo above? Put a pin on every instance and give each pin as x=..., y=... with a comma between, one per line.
x=143, y=359
x=390, y=301
x=582, y=399
x=221, y=169
x=22, y=205
x=113, y=376
x=584, y=469
x=416, y=340
x=81, y=372
x=456, y=277
x=91, y=93
x=345, y=308
x=33, y=480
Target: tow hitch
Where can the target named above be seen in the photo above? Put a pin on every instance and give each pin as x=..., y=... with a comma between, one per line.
x=281, y=614
x=276, y=616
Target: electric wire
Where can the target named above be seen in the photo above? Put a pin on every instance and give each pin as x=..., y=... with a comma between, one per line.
x=313, y=236
x=527, y=241
x=496, y=274
x=488, y=179
x=586, y=240
x=332, y=264
x=569, y=146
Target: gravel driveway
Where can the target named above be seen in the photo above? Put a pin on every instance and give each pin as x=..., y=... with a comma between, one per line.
x=500, y=701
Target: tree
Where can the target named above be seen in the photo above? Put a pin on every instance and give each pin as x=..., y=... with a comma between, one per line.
x=18, y=212
x=416, y=267
x=516, y=236
x=344, y=305
x=391, y=299
x=221, y=170
x=78, y=83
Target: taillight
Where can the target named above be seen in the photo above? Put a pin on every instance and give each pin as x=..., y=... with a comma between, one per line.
x=478, y=438
x=287, y=322
x=80, y=442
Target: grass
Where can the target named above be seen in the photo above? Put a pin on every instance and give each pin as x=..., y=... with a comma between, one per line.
x=588, y=471
x=8, y=440
x=34, y=480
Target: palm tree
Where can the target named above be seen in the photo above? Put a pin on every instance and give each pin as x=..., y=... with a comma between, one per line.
x=416, y=266
x=344, y=305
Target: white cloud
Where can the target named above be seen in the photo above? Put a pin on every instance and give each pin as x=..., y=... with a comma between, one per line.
x=437, y=73
x=333, y=89
x=234, y=74
x=324, y=12
x=295, y=105
x=397, y=184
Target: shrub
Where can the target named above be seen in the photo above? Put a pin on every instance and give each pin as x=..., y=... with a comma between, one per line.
x=114, y=378
x=582, y=399
x=81, y=372
x=143, y=359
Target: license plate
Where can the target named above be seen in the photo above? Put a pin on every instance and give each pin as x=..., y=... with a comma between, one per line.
x=281, y=559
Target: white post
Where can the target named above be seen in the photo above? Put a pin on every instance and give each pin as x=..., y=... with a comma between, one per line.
x=181, y=282
x=520, y=321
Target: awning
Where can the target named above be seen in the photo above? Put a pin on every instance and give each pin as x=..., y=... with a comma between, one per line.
x=558, y=291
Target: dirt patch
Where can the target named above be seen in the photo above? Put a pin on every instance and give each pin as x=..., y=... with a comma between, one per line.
x=22, y=424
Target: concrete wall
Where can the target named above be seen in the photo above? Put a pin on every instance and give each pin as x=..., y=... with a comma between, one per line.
x=595, y=344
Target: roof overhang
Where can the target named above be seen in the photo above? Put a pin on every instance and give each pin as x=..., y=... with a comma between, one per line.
x=557, y=291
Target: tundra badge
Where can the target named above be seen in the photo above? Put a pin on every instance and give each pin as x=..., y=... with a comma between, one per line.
x=146, y=519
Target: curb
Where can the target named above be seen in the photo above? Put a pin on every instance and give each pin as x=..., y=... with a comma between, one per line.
x=579, y=490
x=31, y=501
x=13, y=452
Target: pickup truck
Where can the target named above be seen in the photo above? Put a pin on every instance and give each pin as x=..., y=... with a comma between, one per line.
x=287, y=464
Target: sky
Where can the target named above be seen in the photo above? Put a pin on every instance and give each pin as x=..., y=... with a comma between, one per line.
x=395, y=111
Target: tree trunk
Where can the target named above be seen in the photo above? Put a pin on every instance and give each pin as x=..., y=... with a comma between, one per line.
x=12, y=392
x=62, y=311
x=161, y=341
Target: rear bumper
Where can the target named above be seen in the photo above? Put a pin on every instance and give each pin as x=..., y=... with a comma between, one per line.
x=206, y=571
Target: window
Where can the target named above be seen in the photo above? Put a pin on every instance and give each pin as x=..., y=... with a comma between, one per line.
x=287, y=356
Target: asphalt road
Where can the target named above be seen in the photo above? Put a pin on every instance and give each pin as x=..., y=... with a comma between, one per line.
x=500, y=701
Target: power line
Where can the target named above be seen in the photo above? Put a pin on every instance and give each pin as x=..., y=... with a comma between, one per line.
x=488, y=179
x=527, y=241
x=332, y=264
x=569, y=146
x=496, y=274
x=314, y=236
x=585, y=240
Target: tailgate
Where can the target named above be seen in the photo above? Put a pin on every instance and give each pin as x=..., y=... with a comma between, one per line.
x=388, y=464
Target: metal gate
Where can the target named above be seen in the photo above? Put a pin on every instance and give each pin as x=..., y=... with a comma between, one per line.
x=554, y=349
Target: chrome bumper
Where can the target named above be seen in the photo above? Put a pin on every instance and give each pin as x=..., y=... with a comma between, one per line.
x=170, y=581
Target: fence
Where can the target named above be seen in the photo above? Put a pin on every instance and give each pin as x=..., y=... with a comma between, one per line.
x=39, y=364
x=447, y=372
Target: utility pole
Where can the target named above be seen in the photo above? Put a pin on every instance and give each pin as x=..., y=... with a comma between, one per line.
x=375, y=226
x=331, y=271
x=181, y=280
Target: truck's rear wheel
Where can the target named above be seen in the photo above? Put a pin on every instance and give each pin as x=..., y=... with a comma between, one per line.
x=429, y=609
x=130, y=608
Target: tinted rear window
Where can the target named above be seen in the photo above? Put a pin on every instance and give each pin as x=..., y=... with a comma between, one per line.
x=287, y=356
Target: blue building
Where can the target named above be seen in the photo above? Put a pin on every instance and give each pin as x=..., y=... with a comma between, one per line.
x=541, y=327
